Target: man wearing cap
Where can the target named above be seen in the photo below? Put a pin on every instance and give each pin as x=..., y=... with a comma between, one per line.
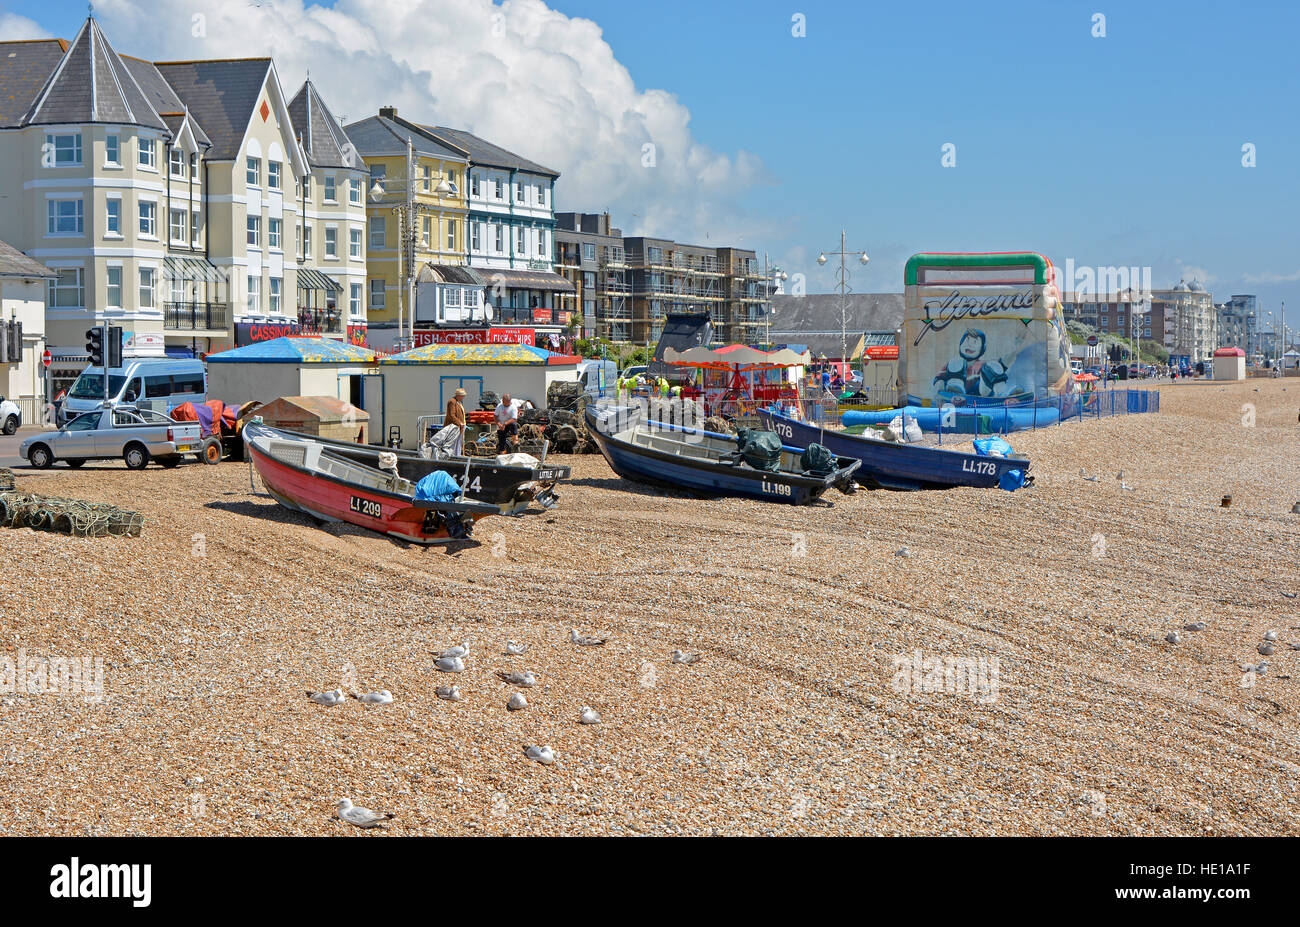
x=456, y=416
x=507, y=416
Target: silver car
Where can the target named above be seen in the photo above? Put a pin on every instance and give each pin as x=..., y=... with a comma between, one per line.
x=135, y=435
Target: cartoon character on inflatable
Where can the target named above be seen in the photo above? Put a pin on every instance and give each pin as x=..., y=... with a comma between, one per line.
x=969, y=375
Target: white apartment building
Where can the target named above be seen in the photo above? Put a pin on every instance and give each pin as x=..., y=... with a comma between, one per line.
x=511, y=230
x=332, y=202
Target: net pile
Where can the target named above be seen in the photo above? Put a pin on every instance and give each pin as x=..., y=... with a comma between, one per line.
x=67, y=516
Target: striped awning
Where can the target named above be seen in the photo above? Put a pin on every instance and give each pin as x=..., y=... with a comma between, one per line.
x=309, y=278
x=189, y=268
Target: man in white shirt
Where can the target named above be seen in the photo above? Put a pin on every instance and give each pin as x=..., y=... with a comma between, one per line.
x=507, y=416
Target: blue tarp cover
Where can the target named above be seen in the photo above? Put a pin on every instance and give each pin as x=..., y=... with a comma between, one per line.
x=438, y=486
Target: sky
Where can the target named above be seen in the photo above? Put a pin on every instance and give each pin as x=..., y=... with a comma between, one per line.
x=1162, y=135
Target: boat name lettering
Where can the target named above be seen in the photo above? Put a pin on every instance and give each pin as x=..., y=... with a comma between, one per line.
x=978, y=466
x=366, y=507
x=783, y=429
x=776, y=489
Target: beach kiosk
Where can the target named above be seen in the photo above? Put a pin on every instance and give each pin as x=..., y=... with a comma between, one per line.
x=982, y=329
x=1229, y=364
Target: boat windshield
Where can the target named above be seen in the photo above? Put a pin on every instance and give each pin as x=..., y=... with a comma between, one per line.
x=91, y=386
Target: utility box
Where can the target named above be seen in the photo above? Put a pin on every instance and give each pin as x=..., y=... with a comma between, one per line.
x=322, y=416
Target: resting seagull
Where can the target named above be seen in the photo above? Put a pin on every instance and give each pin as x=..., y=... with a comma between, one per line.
x=450, y=664
x=329, y=698
x=361, y=817
x=681, y=656
x=462, y=651
x=382, y=697
x=525, y=679
x=515, y=650
x=576, y=638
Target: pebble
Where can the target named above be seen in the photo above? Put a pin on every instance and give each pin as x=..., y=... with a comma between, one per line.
x=1270, y=635
x=903, y=552
x=1266, y=649
x=589, y=716
x=1194, y=626
x=1173, y=637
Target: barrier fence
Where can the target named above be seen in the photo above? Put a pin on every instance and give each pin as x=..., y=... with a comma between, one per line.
x=1008, y=418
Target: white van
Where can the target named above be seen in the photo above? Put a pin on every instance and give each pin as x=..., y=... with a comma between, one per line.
x=598, y=377
x=148, y=381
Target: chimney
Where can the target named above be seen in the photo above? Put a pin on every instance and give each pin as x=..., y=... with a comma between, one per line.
x=388, y=112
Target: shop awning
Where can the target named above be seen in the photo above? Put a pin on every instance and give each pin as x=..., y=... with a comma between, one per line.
x=190, y=268
x=527, y=280
x=311, y=279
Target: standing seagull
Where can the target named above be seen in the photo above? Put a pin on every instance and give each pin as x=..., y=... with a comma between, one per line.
x=361, y=817
x=576, y=638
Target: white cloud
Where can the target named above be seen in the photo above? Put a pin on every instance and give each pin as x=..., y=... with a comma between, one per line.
x=1272, y=277
x=520, y=74
x=15, y=28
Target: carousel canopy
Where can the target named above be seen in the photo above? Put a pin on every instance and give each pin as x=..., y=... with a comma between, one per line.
x=736, y=357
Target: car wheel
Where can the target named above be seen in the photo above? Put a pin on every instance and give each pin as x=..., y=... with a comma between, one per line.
x=136, y=456
x=11, y=424
x=75, y=462
x=39, y=456
x=171, y=460
x=212, y=451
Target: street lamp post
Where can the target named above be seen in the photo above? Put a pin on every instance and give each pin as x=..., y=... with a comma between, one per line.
x=406, y=213
x=843, y=272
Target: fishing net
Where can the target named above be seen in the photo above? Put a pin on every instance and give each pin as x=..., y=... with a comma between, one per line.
x=67, y=516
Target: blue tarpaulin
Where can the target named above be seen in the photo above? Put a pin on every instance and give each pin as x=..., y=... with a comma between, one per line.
x=438, y=486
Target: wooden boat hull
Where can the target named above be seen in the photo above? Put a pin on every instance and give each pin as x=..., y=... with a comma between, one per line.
x=674, y=471
x=299, y=487
x=511, y=487
x=897, y=466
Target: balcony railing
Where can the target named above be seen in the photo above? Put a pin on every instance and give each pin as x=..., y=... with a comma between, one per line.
x=193, y=316
x=318, y=322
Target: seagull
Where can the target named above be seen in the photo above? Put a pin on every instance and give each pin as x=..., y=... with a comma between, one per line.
x=382, y=697
x=589, y=715
x=450, y=664
x=361, y=817
x=1093, y=479
x=1266, y=649
x=517, y=702
x=1261, y=667
x=450, y=693
x=1194, y=626
x=1120, y=476
x=1295, y=646
x=453, y=652
x=581, y=641
x=1270, y=635
x=1123, y=485
x=330, y=698
x=526, y=679
x=1173, y=637
x=515, y=650
x=902, y=552
x=1288, y=595
x=681, y=656
x=543, y=755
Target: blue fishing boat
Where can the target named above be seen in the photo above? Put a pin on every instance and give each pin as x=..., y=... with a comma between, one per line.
x=705, y=462
x=893, y=465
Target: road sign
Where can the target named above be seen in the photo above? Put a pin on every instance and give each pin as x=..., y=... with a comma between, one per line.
x=1092, y=341
x=47, y=358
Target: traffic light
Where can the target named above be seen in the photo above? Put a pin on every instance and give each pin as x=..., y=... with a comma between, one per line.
x=114, y=346
x=95, y=345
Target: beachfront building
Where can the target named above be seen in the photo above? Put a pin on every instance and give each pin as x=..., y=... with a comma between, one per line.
x=330, y=240
x=589, y=254
x=23, y=283
x=250, y=174
x=1189, y=320
x=510, y=235
x=416, y=213
x=98, y=166
x=1238, y=321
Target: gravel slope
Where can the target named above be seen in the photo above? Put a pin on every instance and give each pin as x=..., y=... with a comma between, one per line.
x=793, y=721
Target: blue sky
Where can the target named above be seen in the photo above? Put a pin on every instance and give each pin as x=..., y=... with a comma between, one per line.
x=1123, y=150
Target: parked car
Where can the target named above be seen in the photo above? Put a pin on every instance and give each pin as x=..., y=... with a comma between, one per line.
x=11, y=417
x=167, y=381
x=635, y=371
x=135, y=435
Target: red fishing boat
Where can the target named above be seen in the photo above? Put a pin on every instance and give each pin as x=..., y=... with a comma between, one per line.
x=308, y=477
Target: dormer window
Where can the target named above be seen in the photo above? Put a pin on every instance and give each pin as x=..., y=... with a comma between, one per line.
x=176, y=162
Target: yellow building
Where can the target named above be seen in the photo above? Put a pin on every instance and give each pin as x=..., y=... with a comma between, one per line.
x=416, y=198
